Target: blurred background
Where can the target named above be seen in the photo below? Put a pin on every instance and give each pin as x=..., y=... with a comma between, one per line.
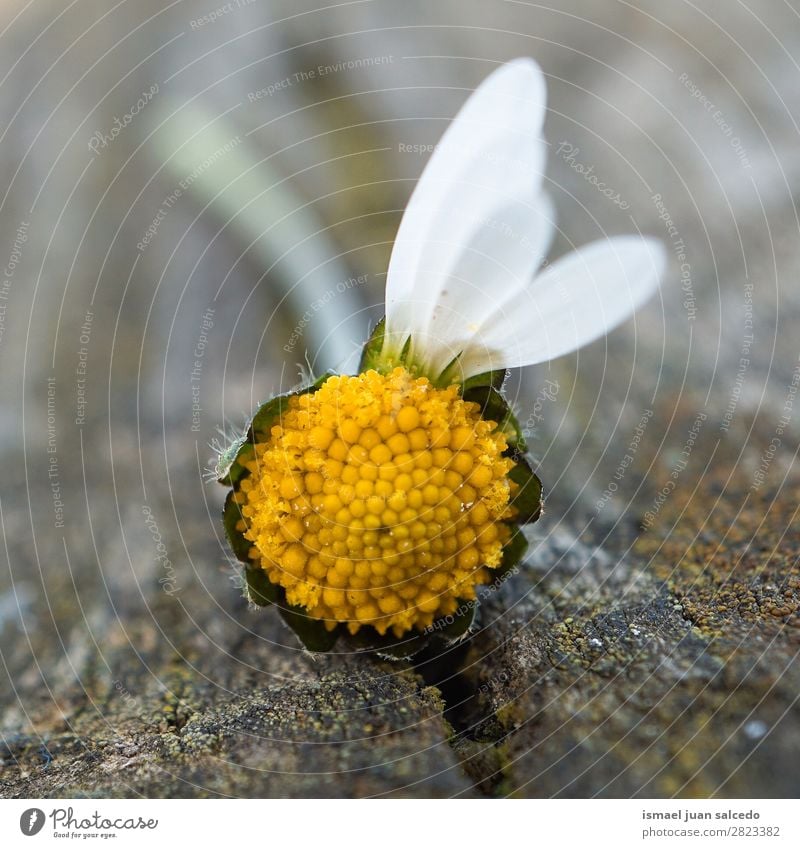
x=198, y=201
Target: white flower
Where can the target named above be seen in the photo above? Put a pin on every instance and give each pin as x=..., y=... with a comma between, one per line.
x=463, y=295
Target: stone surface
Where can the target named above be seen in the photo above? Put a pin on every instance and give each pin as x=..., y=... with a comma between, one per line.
x=674, y=672
x=647, y=647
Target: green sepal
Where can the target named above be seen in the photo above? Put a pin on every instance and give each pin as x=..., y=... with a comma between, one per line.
x=259, y=588
x=495, y=379
x=393, y=648
x=447, y=630
x=458, y=629
x=528, y=498
x=231, y=515
x=267, y=415
x=231, y=464
x=494, y=407
x=229, y=470
x=236, y=469
x=513, y=552
x=310, y=631
x=371, y=352
x=271, y=411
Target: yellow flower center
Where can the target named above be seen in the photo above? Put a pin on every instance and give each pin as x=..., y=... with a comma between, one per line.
x=378, y=500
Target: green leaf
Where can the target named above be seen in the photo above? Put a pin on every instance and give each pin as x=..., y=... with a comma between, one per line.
x=513, y=552
x=528, y=499
x=259, y=589
x=310, y=631
x=371, y=352
x=231, y=515
x=494, y=407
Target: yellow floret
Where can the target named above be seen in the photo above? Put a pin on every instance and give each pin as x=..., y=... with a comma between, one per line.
x=379, y=500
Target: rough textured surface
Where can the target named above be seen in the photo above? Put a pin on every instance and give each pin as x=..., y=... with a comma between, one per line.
x=675, y=673
x=346, y=732
x=649, y=644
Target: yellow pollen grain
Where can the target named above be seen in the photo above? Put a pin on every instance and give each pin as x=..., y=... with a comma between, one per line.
x=379, y=500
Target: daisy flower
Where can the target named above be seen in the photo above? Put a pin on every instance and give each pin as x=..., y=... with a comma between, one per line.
x=373, y=505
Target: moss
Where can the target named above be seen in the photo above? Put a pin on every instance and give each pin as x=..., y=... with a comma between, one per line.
x=738, y=572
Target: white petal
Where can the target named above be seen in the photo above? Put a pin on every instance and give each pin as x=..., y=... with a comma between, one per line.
x=491, y=152
x=580, y=298
x=503, y=254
